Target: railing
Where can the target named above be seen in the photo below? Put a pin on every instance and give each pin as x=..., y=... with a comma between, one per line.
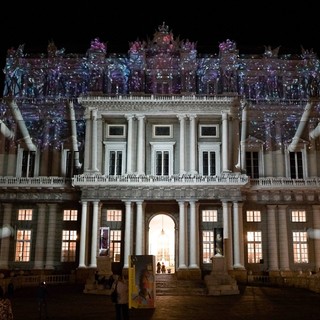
x=281, y=182
x=96, y=179
x=43, y=181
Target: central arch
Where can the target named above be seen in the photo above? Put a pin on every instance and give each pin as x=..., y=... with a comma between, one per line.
x=162, y=241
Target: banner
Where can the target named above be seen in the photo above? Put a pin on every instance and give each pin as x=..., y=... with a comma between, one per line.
x=142, y=283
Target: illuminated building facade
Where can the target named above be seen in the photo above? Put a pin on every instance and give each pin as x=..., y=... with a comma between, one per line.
x=225, y=147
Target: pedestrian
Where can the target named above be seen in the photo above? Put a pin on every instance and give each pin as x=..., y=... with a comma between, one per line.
x=158, y=267
x=163, y=268
x=10, y=290
x=5, y=307
x=42, y=300
x=122, y=304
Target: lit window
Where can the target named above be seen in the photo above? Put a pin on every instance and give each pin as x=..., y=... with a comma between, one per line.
x=115, y=245
x=298, y=216
x=25, y=214
x=209, y=215
x=69, y=245
x=208, y=246
x=23, y=244
x=253, y=216
x=254, y=246
x=300, y=247
x=70, y=215
x=114, y=215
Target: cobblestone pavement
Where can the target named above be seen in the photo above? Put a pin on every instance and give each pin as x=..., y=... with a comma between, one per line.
x=69, y=302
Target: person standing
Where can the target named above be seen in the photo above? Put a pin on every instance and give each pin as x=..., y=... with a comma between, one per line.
x=42, y=300
x=122, y=304
x=5, y=307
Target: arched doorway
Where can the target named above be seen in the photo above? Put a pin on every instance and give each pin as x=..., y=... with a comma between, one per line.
x=162, y=241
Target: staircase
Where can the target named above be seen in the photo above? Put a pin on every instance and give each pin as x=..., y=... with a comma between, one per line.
x=169, y=285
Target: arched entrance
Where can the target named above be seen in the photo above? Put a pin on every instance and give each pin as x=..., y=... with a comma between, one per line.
x=162, y=241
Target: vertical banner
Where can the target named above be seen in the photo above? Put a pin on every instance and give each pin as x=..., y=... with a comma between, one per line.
x=142, y=281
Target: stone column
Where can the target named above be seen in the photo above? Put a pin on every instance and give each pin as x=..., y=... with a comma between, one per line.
x=141, y=145
x=182, y=144
x=283, y=238
x=193, y=135
x=51, y=241
x=94, y=141
x=83, y=233
x=5, y=242
x=41, y=235
x=227, y=234
x=225, y=142
x=193, y=236
x=238, y=236
x=182, y=235
x=94, y=238
x=272, y=238
x=316, y=226
x=130, y=118
x=127, y=235
x=139, y=228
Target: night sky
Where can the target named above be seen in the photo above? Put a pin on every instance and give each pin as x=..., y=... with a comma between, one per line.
x=252, y=27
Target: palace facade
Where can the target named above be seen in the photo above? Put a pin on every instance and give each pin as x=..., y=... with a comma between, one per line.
x=160, y=151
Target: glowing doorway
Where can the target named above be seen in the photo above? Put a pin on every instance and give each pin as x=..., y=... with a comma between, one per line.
x=162, y=241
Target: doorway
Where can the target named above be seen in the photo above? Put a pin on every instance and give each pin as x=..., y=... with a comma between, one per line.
x=162, y=241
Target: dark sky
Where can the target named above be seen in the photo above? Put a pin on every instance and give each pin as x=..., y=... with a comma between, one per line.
x=72, y=25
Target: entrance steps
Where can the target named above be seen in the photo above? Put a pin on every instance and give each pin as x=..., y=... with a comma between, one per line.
x=169, y=285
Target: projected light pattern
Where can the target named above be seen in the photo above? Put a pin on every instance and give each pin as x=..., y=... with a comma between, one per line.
x=41, y=84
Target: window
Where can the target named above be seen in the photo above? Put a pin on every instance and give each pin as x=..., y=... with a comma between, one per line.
x=209, y=159
x=114, y=215
x=254, y=246
x=209, y=215
x=70, y=215
x=296, y=167
x=25, y=214
x=298, y=216
x=70, y=161
x=253, y=216
x=162, y=158
x=162, y=131
x=115, y=245
x=252, y=164
x=115, y=158
x=300, y=247
x=208, y=131
x=23, y=245
x=116, y=131
x=208, y=246
x=69, y=245
x=28, y=163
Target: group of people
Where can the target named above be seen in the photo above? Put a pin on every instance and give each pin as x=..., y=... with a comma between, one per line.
x=161, y=268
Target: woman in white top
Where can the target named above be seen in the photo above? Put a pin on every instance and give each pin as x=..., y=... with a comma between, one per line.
x=122, y=304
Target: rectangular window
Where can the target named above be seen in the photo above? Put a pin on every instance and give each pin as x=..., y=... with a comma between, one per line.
x=162, y=131
x=298, y=216
x=252, y=164
x=254, y=239
x=114, y=215
x=253, y=216
x=208, y=246
x=23, y=245
x=116, y=131
x=115, y=245
x=25, y=214
x=28, y=163
x=208, y=131
x=209, y=215
x=162, y=163
x=115, y=163
x=300, y=247
x=69, y=245
x=209, y=163
x=296, y=167
x=70, y=215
